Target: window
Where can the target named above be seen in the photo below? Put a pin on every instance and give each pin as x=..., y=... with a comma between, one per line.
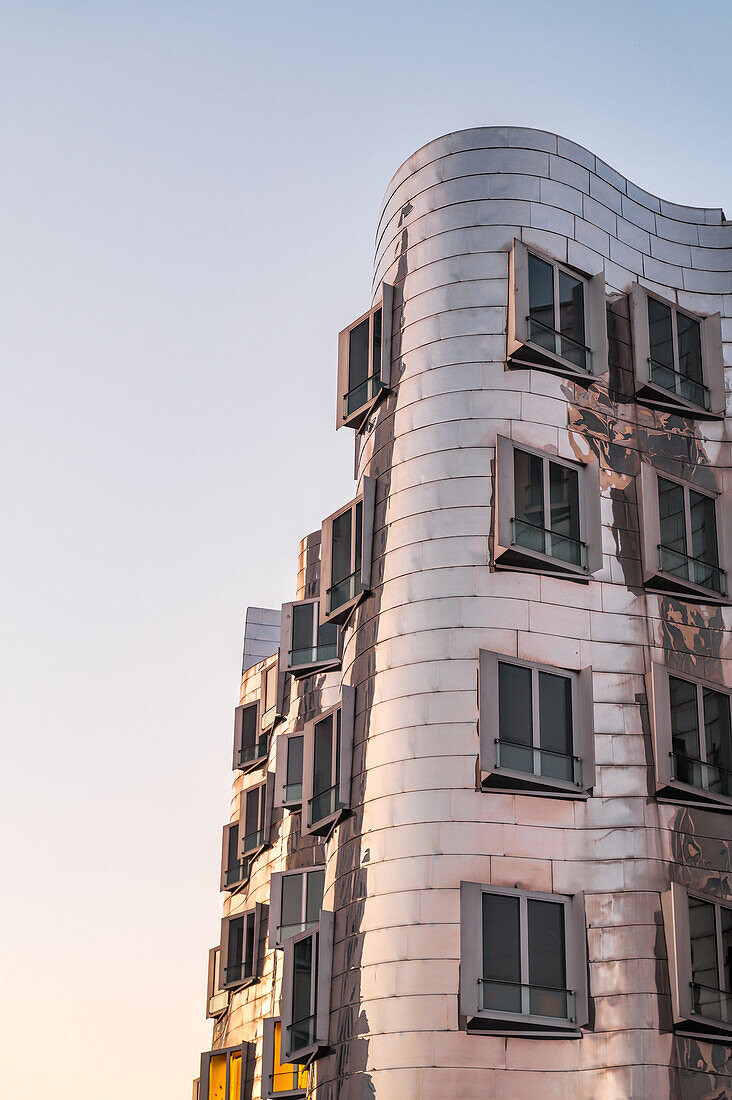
x=255, y=812
x=536, y=726
x=217, y=999
x=279, y=1078
x=556, y=316
x=223, y=1074
x=306, y=977
x=327, y=771
x=699, y=940
x=234, y=869
x=307, y=644
x=364, y=362
x=685, y=536
x=547, y=513
x=692, y=738
x=289, y=770
x=296, y=898
x=677, y=357
x=523, y=961
x=346, y=563
x=250, y=744
x=240, y=947
x=271, y=695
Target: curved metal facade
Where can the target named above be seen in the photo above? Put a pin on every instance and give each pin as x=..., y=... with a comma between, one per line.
x=419, y=826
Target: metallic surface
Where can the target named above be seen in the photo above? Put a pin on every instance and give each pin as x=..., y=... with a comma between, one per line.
x=420, y=827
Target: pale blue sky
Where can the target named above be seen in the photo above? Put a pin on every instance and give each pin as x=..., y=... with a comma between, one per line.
x=188, y=200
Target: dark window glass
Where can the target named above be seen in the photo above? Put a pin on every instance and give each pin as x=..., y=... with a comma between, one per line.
x=703, y=528
x=328, y=636
x=541, y=292
x=555, y=713
x=314, y=901
x=703, y=944
x=252, y=815
x=564, y=500
x=249, y=947
x=358, y=354
x=323, y=762
x=726, y=915
x=514, y=704
x=302, y=625
x=294, y=760
x=291, y=901
x=249, y=731
x=233, y=848
x=671, y=513
x=358, y=536
x=571, y=308
x=689, y=342
x=376, y=350
x=501, y=953
x=718, y=739
x=236, y=945
x=661, y=333
x=341, y=548
x=547, y=966
x=684, y=729
x=302, y=979
x=529, y=491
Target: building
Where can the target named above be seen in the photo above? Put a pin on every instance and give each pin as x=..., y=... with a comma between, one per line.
x=480, y=836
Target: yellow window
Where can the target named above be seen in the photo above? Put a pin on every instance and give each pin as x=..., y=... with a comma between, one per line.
x=286, y=1077
x=235, y=1077
x=217, y=1077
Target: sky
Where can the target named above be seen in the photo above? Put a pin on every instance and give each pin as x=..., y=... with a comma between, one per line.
x=188, y=200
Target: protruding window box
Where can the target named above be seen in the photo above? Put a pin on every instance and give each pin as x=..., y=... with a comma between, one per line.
x=686, y=538
x=223, y=1073
x=306, y=976
x=699, y=941
x=347, y=543
x=523, y=962
x=327, y=767
x=307, y=644
x=251, y=744
x=556, y=316
x=677, y=357
x=234, y=869
x=289, y=770
x=364, y=362
x=296, y=900
x=536, y=727
x=546, y=513
x=255, y=817
x=240, y=948
x=692, y=738
x=217, y=999
x=280, y=1079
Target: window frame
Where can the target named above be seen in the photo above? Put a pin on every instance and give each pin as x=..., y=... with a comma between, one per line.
x=366, y=497
x=322, y=935
x=262, y=739
x=496, y=1022
x=286, y=651
x=675, y=907
x=523, y=352
x=243, y=1049
x=651, y=393
x=342, y=780
x=268, y=1051
x=266, y=798
x=668, y=788
x=492, y=773
x=241, y=983
x=244, y=864
x=274, y=939
x=274, y=707
x=356, y=418
x=659, y=580
x=214, y=991
x=506, y=553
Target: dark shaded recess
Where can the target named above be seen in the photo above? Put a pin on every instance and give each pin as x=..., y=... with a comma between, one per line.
x=621, y=385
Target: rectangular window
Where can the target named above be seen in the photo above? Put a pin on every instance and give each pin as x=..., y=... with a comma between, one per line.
x=270, y=695
x=223, y=1074
x=234, y=869
x=307, y=966
x=279, y=1078
x=678, y=357
x=548, y=512
x=347, y=545
x=311, y=645
x=240, y=947
x=217, y=998
x=699, y=940
x=556, y=316
x=327, y=767
x=289, y=770
x=296, y=898
x=523, y=961
x=251, y=745
x=254, y=819
x=681, y=528
x=364, y=362
x=692, y=733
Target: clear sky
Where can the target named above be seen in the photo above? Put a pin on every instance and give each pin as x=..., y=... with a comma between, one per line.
x=188, y=200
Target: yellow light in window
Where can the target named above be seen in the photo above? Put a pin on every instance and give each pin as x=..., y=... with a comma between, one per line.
x=217, y=1077
x=286, y=1077
x=235, y=1077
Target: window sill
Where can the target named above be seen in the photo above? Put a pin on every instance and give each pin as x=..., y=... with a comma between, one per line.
x=504, y=780
x=358, y=417
x=656, y=397
x=252, y=765
x=325, y=826
x=297, y=1094
x=298, y=672
x=665, y=584
x=343, y=612
x=530, y=356
x=235, y=987
x=521, y=560
x=683, y=794
x=525, y=1029
x=700, y=1027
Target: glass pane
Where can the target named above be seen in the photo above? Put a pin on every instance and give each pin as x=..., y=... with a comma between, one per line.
x=284, y=1076
x=236, y=945
x=235, y=1077
x=217, y=1077
x=689, y=338
x=671, y=512
x=684, y=729
x=358, y=354
x=302, y=625
x=703, y=529
x=358, y=537
x=291, y=916
x=233, y=848
x=301, y=979
x=571, y=308
x=564, y=500
x=376, y=349
x=341, y=548
x=251, y=817
x=661, y=334
x=726, y=915
x=541, y=294
x=249, y=944
x=501, y=987
x=323, y=762
x=270, y=688
x=294, y=760
x=514, y=704
x=718, y=741
x=529, y=496
x=703, y=944
x=547, y=964
x=315, y=887
x=249, y=732
x=555, y=717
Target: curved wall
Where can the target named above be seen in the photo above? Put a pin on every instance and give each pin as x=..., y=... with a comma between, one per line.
x=448, y=221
